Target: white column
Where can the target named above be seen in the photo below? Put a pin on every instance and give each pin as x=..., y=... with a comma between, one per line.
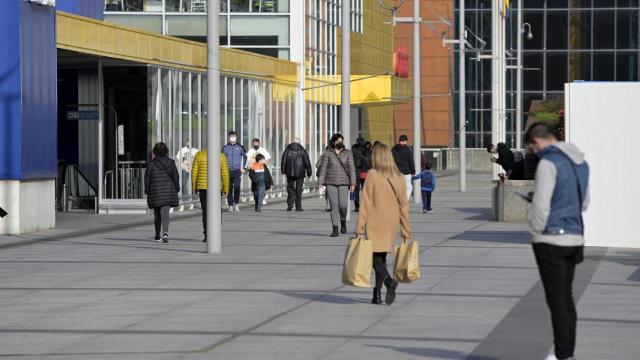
x=214, y=221
x=462, y=99
x=417, y=92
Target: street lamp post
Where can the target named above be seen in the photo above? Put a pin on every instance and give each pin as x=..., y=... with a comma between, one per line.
x=214, y=222
x=519, y=81
x=462, y=98
x=417, y=125
x=345, y=104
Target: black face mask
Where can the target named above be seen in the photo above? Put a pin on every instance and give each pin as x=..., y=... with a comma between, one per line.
x=256, y=147
x=339, y=146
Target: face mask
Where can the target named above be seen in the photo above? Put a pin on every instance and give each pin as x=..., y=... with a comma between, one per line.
x=339, y=146
x=256, y=147
x=233, y=139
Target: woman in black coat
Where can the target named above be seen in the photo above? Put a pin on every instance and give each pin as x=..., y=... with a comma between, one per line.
x=161, y=185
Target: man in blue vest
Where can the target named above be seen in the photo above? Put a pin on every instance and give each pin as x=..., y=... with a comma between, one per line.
x=561, y=195
x=236, y=157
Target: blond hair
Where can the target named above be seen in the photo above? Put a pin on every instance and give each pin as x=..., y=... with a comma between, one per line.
x=383, y=161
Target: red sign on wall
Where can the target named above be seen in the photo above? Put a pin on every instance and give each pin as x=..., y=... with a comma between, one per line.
x=401, y=62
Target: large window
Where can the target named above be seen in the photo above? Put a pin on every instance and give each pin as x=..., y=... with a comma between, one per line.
x=590, y=40
x=197, y=6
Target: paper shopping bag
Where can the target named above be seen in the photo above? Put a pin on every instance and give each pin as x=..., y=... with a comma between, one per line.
x=358, y=259
x=407, y=265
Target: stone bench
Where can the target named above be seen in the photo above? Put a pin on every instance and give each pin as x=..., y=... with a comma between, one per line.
x=507, y=206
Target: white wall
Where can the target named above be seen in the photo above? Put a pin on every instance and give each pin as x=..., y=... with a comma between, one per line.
x=30, y=204
x=603, y=120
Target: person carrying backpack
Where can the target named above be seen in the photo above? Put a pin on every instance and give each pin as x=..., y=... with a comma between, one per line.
x=427, y=186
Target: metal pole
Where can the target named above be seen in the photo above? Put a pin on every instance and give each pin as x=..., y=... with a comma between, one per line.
x=214, y=222
x=345, y=105
x=417, y=128
x=519, y=81
x=495, y=77
x=346, y=72
x=462, y=98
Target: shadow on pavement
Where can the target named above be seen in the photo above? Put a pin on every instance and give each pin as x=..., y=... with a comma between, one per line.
x=324, y=297
x=433, y=352
x=511, y=237
x=480, y=213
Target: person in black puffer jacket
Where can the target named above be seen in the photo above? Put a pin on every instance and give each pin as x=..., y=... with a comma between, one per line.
x=161, y=185
x=295, y=166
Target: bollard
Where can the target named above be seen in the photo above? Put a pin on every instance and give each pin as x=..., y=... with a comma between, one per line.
x=64, y=201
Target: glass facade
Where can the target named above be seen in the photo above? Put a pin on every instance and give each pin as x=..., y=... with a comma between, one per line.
x=260, y=26
x=590, y=40
x=253, y=108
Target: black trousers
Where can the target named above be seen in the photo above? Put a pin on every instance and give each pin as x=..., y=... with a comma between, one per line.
x=161, y=219
x=380, y=268
x=357, y=191
x=233, y=198
x=203, y=204
x=294, y=191
x=557, y=266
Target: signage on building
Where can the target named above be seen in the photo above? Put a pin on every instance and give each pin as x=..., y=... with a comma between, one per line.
x=401, y=62
x=120, y=139
x=83, y=115
x=44, y=2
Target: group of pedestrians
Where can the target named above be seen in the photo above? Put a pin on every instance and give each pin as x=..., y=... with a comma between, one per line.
x=382, y=179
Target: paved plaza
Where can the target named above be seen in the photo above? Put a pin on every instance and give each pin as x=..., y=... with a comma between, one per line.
x=275, y=291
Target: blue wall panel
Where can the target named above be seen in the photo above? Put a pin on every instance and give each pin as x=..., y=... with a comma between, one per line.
x=10, y=107
x=88, y=8
x=39, y=82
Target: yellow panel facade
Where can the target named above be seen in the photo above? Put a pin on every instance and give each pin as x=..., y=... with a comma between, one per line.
x=89, y=36
x=372, y=54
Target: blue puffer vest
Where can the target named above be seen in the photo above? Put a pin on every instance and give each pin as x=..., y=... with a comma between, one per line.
x=572, y=181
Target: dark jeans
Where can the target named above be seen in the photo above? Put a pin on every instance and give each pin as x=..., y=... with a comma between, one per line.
x=203, y=205
x=357, y=191
x=557, y=266
x=258, y=194
x=380, y=268
x=294, y=191
x=161, y=219
x=426, y=200
x=233, y=198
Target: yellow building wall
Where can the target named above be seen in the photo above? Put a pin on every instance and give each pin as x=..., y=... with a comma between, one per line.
x=372, y=54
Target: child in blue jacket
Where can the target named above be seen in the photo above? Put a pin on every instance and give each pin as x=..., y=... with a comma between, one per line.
x=427, y=185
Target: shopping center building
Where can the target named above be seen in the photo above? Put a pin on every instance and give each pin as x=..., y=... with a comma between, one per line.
x=84, y=100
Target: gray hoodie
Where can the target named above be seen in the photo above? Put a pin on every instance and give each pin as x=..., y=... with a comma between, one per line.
x=546, y=175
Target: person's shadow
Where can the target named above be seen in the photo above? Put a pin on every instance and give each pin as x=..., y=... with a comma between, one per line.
x=434, y=353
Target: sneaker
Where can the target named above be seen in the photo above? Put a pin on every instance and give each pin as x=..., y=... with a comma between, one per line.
x=237, y=208
x=424, y=211
x=165, y=238
x=264, y=202
x=299, y=210
x=157, y=238
x=430, y=210
x=231, y=209
x=258, y=210
x=551, y=357
x=289, y=208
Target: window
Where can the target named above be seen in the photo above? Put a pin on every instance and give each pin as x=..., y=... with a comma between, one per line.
x=627, y=66
x=357, y=9
x=557, y=30
x=556, y=70
x=603, y=65
x=603, y=30
x=627, y=27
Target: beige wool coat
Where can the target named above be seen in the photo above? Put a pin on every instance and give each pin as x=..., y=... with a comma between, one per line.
x=383, y=212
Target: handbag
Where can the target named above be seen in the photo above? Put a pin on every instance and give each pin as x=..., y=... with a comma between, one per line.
x=358, y=263
x=406, y=267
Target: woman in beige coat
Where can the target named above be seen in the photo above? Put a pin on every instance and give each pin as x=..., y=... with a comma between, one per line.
x=383, y=210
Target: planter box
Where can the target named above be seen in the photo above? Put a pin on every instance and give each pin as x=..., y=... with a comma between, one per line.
x=507, y=206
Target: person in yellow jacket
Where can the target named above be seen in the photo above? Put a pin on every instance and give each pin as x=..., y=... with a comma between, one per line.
x=199, y=181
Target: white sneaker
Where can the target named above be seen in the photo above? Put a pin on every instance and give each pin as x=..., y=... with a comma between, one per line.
x=231, y=209
x=264, y=202
x=551, y=357
x=237, y=208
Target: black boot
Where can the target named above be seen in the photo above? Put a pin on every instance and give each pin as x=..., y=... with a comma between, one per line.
x=391, y=285
x=377, y=299
x=335, y=232
x=343, y=226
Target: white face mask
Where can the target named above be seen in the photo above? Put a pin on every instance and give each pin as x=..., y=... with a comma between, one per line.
x=233, y=139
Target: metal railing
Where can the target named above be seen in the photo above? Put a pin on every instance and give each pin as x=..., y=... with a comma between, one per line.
x=73, y=189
